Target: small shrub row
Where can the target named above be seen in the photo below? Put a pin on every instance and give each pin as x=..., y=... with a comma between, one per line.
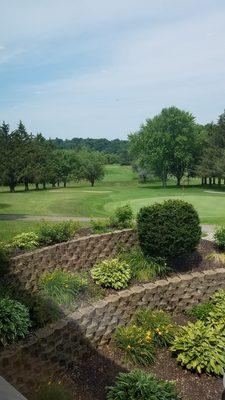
x=122, y=218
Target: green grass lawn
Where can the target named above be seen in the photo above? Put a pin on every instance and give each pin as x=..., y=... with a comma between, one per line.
x=119, y=187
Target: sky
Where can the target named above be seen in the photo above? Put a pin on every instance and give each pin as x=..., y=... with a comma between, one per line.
x=100, y=68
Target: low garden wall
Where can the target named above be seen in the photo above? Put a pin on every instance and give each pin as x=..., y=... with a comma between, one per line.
x=68, y=342
x=76, y=254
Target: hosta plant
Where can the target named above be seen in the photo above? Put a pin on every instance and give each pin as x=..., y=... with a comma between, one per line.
x=137, y=344
x=62, y=286
x=112, y=273
x=138, y=385
x=200, y=347
x=26, y=241
x=201, y=311
x=14, y=321
x=159, y=322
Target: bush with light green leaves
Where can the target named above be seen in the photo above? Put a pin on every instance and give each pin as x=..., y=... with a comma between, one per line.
x=25, y=241
x=112, y=273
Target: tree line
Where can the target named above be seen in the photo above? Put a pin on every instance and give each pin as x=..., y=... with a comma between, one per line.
x=173, y=144
x=32, y=159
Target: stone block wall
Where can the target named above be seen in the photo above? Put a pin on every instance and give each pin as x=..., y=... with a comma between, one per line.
x=76, y=254
x=68, y=342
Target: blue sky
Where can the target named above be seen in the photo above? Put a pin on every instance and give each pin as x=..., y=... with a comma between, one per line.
x=98, y=68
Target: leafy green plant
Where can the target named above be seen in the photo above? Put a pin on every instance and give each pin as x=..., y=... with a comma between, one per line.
x=14, y=321
x=200, y=347
x=62, y=286
x=168, y=229
x=99, y=226
x=122, y=217
x=138, y=385
x=50, y=233
x=137, y=344
x=43, y=310
x=144, y=268
x=219, y=237
x=112, y=274
x=159, y=323
x=53, y=391
x=201, y=311
x=25, y=241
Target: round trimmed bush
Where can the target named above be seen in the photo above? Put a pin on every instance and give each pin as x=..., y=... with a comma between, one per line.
x=168, y=229
x=14, y=321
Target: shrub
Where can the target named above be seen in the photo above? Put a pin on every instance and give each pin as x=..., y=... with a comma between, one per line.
x=25, y=241
x=168, y=229
x=159, y=323
x=14, y=321
x=144, y=268
x=99, y=226
x=122, y=217
x=200, y=347
x=62, y=286
x=111, y=274
x=53, y=391
x=50, y=233
x=137, y=344
x=138, y=385
x=219, y=237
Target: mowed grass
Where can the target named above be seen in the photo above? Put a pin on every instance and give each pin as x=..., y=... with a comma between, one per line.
x=119, y=187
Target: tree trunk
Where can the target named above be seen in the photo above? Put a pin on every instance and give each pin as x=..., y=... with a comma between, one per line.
x=64, y=183
x=210, y=181
x=12, y=188
x=36, y=186
x=58, y=183
x=53, y=185
x=219, y=181
x=178, y=181
x=26, y=186
x=92, y=182
x=44, y=185
x=202, y=181
x=214, y=181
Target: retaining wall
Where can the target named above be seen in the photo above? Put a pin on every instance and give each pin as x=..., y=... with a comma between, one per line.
x=68, y=342
x=76, y=254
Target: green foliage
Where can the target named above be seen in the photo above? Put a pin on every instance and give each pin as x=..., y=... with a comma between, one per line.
x=56, y=233
x=99, y=226
x=53, y=391
x=62, y=286
x=111, y=274
x=144, y=268
x=138, y=385
x=122, y=217
x=168, y=229
x=219, y=237
x=4, y=257
x=25, y=241
x=14, y=321
x=200, y=347
x=201, y=311
x=43, y=310
x=159, y=323
x=137, y=344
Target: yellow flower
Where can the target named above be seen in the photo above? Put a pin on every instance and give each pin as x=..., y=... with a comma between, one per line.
x=128, y=347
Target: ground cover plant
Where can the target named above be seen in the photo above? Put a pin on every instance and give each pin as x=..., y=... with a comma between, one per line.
x=169, y=229
x=49, y=234
x=14, y=321
x=144, y=268
x=25, y=241
x=63, y=286
x=138, y=385
x=219, y=237
x=150, y=329
x=112, y=273
x=53, y=391
x=200, y=346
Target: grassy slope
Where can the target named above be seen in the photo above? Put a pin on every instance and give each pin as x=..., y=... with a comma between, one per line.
x=119, y=187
